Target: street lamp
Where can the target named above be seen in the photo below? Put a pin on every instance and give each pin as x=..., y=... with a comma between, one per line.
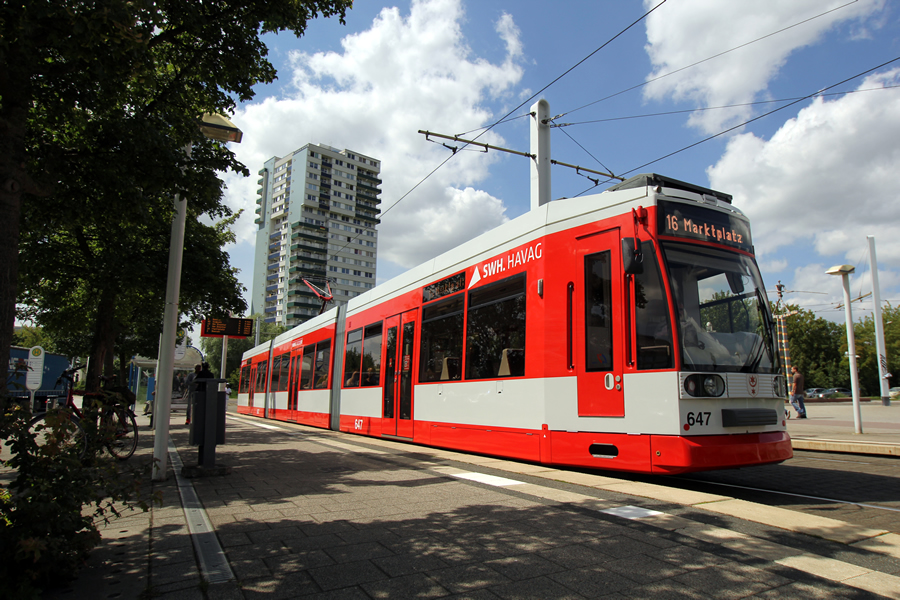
x=844, y=271
x=219, y=128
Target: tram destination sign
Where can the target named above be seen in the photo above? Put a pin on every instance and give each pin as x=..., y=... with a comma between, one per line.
x=699, y=223
x=231, y=327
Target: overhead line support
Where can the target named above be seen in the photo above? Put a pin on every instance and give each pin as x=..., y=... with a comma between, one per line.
x=456, y=138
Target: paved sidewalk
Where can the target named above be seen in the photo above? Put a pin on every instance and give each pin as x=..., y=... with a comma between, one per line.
x=319, y=514
x=830, y=427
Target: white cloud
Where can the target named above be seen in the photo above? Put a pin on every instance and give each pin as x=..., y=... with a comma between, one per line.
x=826, y=177
x=690, y=31
x=405, y=73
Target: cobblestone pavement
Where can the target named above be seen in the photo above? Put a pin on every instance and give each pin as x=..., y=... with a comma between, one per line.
x=318, y=514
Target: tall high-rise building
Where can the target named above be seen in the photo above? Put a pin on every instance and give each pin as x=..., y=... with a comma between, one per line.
x=317, y=211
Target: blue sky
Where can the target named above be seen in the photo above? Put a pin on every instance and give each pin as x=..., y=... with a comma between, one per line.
x=815, y=178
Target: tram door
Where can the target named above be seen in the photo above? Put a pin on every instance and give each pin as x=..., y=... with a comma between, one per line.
x=294, y=382
x=251, y=388
x=596, y=343
x=397, y=364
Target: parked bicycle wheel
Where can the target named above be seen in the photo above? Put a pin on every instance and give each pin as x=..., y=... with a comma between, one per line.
x=59, y=431
x=120, y=431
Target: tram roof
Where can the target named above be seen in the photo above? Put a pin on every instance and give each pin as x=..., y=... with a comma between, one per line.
x=656, y=180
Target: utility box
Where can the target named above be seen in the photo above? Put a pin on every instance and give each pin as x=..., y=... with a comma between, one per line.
x=208, y=421
x=198, y=418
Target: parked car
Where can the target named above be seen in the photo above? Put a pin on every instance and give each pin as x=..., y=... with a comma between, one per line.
x=894, y=392
x=813, y=392
x=836, y=393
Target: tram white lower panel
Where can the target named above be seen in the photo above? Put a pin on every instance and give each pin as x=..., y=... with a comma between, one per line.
x=651, y=405
x=315, y=401
x=363, y=402
x=516, y=403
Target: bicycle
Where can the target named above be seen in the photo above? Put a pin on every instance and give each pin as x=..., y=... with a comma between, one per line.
x=117, y=424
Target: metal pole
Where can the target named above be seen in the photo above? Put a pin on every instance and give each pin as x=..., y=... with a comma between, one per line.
x=851, y=348
x=540, y=149
x=224, y=357
x=162, y=404
x=879, y=327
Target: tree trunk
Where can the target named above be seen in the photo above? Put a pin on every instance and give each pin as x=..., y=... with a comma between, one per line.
x=103, y=344
x=15, y=90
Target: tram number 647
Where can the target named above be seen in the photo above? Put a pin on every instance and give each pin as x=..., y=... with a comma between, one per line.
x=698, y=418
x=357, y=424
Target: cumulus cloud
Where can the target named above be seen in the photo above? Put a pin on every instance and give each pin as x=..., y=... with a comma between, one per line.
x=404, y=73
x=826, y=179
x=691, y=31
x=827, y=176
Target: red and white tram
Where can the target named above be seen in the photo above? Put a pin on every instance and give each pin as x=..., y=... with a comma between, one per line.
x=627, y=330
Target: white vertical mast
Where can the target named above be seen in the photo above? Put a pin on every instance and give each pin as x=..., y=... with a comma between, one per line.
x=879, y=326
x=540, y=148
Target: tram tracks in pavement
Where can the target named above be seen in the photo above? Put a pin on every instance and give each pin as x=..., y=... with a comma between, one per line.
x=804, y=496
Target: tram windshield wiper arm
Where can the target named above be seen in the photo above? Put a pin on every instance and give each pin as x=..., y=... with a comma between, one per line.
x=763, y=341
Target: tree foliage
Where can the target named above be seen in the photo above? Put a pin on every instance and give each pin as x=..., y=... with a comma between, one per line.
x=867, y=349
x=98, y=101
x=815, y=348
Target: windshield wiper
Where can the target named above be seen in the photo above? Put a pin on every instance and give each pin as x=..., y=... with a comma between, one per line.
x=756, y=353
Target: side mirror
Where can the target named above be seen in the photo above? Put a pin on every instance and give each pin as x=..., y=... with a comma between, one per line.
x=735, y=282
x=632, y=258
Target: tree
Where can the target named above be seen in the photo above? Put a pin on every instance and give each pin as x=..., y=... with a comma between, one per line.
x=815, y=348
x=29, y=336
x=867, y=349
x=90, y=87
x=212, y=348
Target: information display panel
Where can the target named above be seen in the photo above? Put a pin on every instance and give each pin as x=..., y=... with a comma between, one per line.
x=232, y=327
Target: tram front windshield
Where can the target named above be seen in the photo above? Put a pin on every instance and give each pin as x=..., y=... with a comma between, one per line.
x=721, y=309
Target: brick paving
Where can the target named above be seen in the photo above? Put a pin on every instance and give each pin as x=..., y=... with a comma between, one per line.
x=317, y=514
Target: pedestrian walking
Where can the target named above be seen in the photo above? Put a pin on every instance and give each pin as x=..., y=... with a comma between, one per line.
x=797, y=393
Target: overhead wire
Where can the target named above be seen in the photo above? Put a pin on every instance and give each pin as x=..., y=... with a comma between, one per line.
x=586, y=150
x=500, y=122
x=649, y=81
x=724, y=106
x=506, y=116
x=721, y=133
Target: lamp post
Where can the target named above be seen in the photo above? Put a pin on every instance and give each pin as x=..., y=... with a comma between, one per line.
x=219, y=128
x=844, y=271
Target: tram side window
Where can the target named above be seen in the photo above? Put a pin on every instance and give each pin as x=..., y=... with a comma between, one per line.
x=651, y=315
x=323, y=363
x=352, y=358
x=306, y=374
x=598, y=312
x=495, y=330
x=276, y=370
x=261, y=376
x=370, y=373
x=285, y=372
x=442, y=340
x=244, y=386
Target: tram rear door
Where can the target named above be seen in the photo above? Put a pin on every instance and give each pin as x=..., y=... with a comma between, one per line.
x=597, y=335
x=397, y=364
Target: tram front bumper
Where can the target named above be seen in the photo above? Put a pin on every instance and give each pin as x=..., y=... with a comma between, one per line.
x=683, y=454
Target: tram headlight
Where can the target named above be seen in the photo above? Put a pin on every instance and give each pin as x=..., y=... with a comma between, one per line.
x=713, y=385
x=780, y=390
x=704, y=386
